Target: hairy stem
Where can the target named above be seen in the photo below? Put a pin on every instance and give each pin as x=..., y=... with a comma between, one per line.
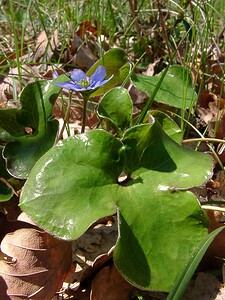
x=85, y=101
x=65, y=119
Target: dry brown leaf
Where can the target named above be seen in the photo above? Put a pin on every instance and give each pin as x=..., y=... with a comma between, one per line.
x=216, y=251
x=35, y=265
x=205, y=287
x=87, y=26
x=108, y=284
x=93, y=249
x=44, y=45
x=78, y=53
x=84, y=57
x=10, y=84
x=217, y=186
x=205, y=98
x=214, y=68
x=216, y=82
x=211, y=113
x=23, y=217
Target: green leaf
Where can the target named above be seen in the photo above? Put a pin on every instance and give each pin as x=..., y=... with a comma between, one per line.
x=188, y=29
x=23, y=150
x=157, y=240
x=116, y=107
x=168, y=125
x=150, y=151
x=160, y=223
x=188, y=271
x=9, y=127
x=116, y=63
x=6, y=192
x=176, y=89
x=74, y=184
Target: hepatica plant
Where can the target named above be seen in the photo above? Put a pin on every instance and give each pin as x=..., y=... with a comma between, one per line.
x=79, y=181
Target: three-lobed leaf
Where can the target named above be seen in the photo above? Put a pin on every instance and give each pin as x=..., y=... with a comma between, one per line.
x=157, y=240
x=160, y=223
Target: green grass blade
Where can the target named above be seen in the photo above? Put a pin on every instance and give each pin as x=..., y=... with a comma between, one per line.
x=185, y=277
x=151, y=99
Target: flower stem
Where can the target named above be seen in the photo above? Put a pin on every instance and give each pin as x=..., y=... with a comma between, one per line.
x=85, y=101
x=66, y=118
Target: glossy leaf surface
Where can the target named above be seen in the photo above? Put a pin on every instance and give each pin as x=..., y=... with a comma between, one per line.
x=116, y=107
x=176, y=89
x=168, y=125
x=157, y=240
x=151, y=152
x=76, y=183
x=29, y=131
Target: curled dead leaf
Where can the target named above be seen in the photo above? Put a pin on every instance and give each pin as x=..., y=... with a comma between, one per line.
x=109, y=284
x=35, y=265
x=216, y=252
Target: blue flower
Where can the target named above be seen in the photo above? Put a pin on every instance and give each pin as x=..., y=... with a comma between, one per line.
x=80, y=82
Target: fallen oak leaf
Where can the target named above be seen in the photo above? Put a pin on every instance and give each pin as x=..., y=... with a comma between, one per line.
x=35, y=266
x=109, y=284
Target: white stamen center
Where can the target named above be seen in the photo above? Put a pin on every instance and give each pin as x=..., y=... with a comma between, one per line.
x=84, y=83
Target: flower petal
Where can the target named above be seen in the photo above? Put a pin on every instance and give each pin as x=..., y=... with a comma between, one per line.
x=55, y=75
x=96, y=80
x=100, y=83
x=99, y=74
x=95, y=85
x=105, y=81
x=77, y=75
x=68, y=85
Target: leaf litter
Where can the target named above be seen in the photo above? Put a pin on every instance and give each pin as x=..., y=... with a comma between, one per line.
x=39, y=263
x=34, y=263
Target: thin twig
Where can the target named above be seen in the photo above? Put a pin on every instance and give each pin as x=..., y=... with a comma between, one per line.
x=215, y=41
x=210, y=207
x=8, y=185
x=211, y=140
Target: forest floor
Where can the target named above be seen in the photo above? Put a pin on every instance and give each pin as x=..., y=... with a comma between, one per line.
x=150, y=46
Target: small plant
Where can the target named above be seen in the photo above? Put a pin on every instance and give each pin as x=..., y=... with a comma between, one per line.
x=78, y=181
x=128, y=159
